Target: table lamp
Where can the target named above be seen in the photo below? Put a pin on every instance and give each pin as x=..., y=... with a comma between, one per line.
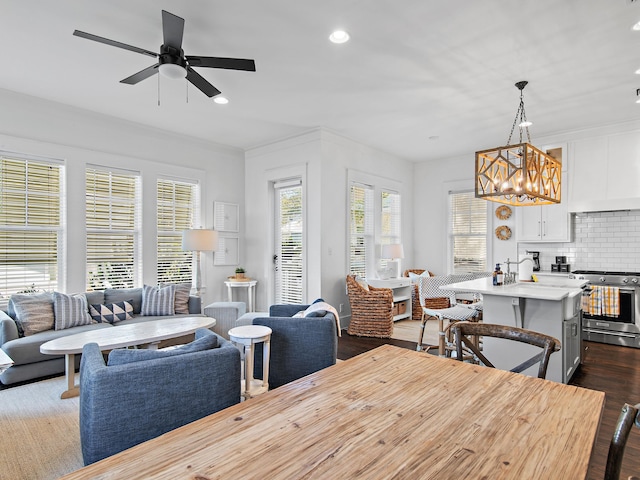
x=393, y=252
x=199, y=240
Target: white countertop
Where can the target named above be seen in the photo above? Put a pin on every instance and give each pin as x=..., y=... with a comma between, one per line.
x=554, y=289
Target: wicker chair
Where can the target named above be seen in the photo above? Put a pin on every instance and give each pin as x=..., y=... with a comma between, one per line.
x=371, y=310
x=416, y=308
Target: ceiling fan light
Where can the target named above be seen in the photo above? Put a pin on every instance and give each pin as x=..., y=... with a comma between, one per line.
x=339, y=36
x=219, y=99
x=171, y=70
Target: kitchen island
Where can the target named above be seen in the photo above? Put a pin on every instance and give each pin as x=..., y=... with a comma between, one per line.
x=552, y=307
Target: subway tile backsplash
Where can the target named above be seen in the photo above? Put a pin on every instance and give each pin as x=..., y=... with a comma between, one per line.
x=602, y=241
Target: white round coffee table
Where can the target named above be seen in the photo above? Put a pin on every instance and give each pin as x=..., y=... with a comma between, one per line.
x=248, y=336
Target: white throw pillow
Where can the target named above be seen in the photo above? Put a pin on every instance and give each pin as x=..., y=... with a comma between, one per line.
x=415, y=278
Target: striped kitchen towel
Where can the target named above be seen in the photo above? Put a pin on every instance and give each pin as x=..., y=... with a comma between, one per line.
x=610, y=301
x=592, y=304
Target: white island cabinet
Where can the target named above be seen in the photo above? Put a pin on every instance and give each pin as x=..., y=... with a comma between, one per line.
x=552, y=308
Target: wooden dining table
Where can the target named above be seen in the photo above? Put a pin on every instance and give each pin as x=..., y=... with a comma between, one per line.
x=387, y=413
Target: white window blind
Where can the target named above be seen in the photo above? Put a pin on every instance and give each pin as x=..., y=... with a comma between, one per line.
x=113, y=224
x=289, y=239
x=177, y=207
x=361, y=228
x=31, y=228
x=467, y=232
x=390, y=218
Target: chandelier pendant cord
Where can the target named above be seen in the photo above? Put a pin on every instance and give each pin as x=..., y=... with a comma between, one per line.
x=520, y=114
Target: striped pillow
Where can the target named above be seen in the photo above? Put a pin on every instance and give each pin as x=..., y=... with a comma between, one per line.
x=33, y=313
x=158, y=301
x=181, y=304
x=70, y=311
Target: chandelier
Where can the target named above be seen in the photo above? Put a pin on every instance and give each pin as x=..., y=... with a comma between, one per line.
x=518, y=174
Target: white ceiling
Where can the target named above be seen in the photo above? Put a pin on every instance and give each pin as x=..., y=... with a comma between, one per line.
x=414, y=69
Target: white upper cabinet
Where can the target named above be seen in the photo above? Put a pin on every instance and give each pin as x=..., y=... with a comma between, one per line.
x=604, y=173
x=547, y=223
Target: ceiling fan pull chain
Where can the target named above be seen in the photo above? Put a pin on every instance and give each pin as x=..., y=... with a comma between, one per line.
x=158, y=90
x=186, y=86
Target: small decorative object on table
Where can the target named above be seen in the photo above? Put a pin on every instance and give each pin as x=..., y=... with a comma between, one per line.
x=239, y=273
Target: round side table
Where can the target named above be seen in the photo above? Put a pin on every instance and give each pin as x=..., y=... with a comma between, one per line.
x=248, y=336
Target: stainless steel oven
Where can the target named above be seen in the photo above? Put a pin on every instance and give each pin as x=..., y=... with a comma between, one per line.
x=622, y=329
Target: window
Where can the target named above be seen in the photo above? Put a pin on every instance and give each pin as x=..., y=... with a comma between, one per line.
x=361, y=232
x=289, y=242
x=390, y=218
x=177, y=208
x=374, y=219
x=467, y=232
x=113, y=225
x=31, y=228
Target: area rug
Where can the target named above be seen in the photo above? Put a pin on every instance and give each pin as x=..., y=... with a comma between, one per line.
x=40, y=437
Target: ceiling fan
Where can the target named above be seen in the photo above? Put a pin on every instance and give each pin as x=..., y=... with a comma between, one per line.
x=172, y=61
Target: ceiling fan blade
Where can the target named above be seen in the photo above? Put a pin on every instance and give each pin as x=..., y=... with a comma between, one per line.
x=206, y=88
x=220, y=62
x=113, y=43
x=141, y=75
x=172, y=29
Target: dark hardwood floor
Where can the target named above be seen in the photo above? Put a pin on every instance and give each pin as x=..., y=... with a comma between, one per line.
x=612, y=369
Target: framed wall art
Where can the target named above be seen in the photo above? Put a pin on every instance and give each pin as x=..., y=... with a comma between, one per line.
x=227, y=252
x=226, y=217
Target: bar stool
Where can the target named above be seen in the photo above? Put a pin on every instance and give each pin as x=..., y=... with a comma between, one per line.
x=248, y=336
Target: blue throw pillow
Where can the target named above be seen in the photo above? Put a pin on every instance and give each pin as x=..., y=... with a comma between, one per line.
x=318, y=300
x=122, y=356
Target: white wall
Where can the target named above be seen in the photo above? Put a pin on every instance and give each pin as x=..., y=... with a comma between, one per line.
x=324, y=158
x=33, y=126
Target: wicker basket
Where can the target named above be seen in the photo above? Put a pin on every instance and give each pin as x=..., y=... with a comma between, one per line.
x=371, y=311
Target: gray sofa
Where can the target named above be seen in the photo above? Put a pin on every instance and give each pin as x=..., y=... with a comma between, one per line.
x=142, y=394
x=299, y=345
x=29, y=363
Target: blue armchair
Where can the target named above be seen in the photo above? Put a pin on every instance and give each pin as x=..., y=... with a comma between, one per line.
x=299, y=345
x=142, y=394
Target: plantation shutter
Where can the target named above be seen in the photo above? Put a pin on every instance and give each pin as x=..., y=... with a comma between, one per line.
x=176, y=212
x=112, y=215
x=361, y=229
x=31, y=228
x=289, y=242
x=468, y=232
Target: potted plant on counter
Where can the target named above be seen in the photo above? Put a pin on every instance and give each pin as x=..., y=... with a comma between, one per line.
x=239, y=272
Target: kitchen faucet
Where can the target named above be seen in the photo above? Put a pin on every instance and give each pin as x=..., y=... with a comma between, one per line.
x=511, y=277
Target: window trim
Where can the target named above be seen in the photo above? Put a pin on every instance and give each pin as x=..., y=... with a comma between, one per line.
x=379, y=185
x=458, y=188
x=61, y=228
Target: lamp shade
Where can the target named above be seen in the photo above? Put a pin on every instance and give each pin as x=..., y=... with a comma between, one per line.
x=199, y=240
x=392, y=251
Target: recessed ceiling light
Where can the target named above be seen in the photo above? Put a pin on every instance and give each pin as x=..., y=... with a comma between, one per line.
x=339, y=36
x=219, y=99
x=636, y=26
x=638, y=71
